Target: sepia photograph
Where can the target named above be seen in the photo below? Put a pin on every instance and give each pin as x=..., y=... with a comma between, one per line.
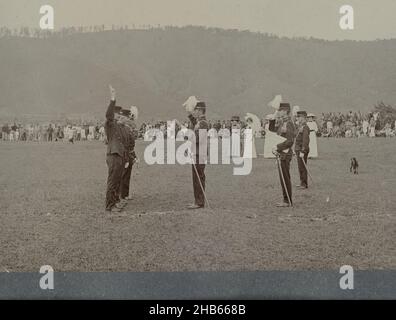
x=205, y=145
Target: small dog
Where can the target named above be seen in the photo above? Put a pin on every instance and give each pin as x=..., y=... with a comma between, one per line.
x=354, y=166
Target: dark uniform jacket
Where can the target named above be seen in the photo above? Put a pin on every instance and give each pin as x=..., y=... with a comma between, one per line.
x=286, y=130
x=197, y=124
x=114, y=133
x=129, y=143
x=302, y=139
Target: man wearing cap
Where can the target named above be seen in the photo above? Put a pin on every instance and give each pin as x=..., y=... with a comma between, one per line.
x=198, y=122
x=302, y=148
x=285, y=128
x=116, y=151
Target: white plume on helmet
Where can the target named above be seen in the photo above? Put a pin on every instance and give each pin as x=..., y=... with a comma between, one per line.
x=134, y=112
x=190, y=104
x=275, y=103
x=295, y=110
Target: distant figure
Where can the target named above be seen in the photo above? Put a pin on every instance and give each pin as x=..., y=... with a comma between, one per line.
x=313, y=141
x=270, y=136
x=70, y=135
x=50, y=132
x=372, y=128
x=5, y=130
x=329, y=128
x=302, y=148
x=388, y=130
x=101, y=133
x=235, y=132
x=365, y=126
x=253, y=123
x=354, y=166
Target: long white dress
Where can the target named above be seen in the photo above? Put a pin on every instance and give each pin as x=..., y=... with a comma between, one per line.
x=212, y=133
x=91, y=134
x=252, y=140
x=313, y=141
x=372, y=132
x=236, y=142
x=365, y=127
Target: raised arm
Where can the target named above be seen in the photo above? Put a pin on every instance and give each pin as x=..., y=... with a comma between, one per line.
x=110, y=109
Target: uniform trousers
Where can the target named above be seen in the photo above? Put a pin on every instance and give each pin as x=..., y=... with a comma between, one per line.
x=115, y=166
x=198, y=192
x=286, y=185
x=302, y=169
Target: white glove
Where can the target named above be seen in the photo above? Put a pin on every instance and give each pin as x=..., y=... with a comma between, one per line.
x=112, y=93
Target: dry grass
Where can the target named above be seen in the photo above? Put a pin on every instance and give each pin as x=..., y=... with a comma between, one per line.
x=52, y=212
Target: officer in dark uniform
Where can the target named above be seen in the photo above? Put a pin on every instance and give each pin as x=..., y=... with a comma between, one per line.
x=198, y=122
x=130, y=137
x=115, y=158
x=285, y=128
x=302, y=148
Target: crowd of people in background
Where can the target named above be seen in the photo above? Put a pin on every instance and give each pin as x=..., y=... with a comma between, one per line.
x=330, y=125
x=355, y=125
x=51, y=132
x=336, y=125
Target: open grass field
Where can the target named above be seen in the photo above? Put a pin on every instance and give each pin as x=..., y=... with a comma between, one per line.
x=52, y=212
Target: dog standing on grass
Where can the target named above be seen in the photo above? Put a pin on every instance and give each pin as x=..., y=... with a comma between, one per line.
x=354, y=166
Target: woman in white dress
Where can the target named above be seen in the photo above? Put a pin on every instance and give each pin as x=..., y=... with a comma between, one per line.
x=372, y=128
x=83, y=135
x=101, y=133
x=365, y=127
x=253, y=123
x=236, y=141
x=313, y=141
x=270, y=138
x=212, y=133
x=91, y=134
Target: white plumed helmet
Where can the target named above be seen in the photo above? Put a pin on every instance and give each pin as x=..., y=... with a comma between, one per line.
x=275, y=103
x=134, y=112
x=190, y=104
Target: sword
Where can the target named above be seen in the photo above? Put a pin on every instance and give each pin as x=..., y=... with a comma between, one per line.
x=283, y=178
x=200, y=183
x=306, y=168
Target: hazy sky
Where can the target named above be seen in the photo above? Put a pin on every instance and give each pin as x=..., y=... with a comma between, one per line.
x=374, y=19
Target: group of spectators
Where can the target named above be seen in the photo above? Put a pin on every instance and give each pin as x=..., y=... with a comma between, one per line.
x=337, y=125
x=356, y=124
x=51, y=132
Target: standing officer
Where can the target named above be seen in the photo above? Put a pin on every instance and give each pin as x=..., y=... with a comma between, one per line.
x=115, y=157
x=128, y=128
x=198, y=122
x=302, y=148
x=284, y=152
